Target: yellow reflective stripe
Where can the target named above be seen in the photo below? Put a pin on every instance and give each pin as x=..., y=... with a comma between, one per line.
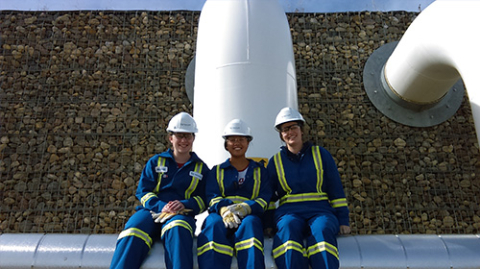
x=147, y=197
x=261, y=202
x=161, y=162
x=195, y=180
x=236, y=199
x=281, y=173
x=320, y=247
x=215, y=200
x=317, y=159
x=137, y=233
x=289, y=245
x=272, y=205
x=220, y=180
x=220, y=248
x=303, y=197
x=257, y=177
x=249, y=243
x=200, y=203
x=339, y=202
x=175, y=223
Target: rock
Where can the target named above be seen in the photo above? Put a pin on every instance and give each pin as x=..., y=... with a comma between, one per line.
x=400, y=142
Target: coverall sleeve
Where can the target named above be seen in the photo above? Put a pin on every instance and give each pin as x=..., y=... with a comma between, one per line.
x=197, y=200
x=334, y=188
x=268, y=216
x=260, y=204
x=146, y=186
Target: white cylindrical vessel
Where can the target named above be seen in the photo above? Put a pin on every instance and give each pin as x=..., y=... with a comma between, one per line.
x=244, y=69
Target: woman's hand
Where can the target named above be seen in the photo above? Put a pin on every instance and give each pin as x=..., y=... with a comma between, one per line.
x=173, y=207
x=344, y=229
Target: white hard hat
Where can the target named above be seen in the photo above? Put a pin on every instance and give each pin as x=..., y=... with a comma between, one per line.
x=182, y=123
x=237, y=127
x=287, y=114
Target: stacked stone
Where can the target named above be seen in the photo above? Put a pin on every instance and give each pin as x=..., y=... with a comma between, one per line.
x=86, y=96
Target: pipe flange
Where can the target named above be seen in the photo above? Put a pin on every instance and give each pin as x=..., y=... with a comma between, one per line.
x=402, y=111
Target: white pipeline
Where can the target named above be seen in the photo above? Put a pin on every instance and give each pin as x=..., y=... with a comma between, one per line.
x=27, y=251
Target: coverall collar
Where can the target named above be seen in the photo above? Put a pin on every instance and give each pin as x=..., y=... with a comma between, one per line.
x=297, y=157
x=169, y=154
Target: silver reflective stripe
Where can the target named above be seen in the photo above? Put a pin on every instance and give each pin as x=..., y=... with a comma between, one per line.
x=195, y=180
x=257, y=181
x=137, y=233
x=281, y=173
x=303, y=197
x=249, y=243
x=320, y=247
x=161, y=162
x=317, y=159
x=220, y=180
x=220, y=248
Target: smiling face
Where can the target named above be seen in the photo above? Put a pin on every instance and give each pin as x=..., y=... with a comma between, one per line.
x=182, y=142
x=237, y=145
x=291, y=133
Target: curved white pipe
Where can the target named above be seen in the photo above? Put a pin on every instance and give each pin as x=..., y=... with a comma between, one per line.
x=244, y=68
x=439, y=47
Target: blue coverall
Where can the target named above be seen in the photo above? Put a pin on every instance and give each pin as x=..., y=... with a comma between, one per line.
x=311, y=205
x=162, y=181
x=217, y=244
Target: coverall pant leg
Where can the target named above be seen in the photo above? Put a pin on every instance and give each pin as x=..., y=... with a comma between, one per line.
x=249, y=243
x=322, y=248
x=177, y=236
x=135, y=241
x=288, y=249
x=215, y=248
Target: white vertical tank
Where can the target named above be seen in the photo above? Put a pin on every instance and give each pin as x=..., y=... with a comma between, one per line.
x=244, y=69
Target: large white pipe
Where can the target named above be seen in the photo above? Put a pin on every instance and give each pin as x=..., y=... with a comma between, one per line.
x=22, y=251
x=439, y=47
x=244, y=69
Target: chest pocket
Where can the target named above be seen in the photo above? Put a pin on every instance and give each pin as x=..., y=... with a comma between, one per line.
x=237, y=199
x=289, y=197
x=196, y=177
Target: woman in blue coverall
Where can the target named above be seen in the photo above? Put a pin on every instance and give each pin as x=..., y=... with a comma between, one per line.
x=311, y=201
x=171, y=190
x=237, y=193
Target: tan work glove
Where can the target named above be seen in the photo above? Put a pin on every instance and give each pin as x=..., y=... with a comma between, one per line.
x=162, y=217
x=229, y=219
x=241, y=209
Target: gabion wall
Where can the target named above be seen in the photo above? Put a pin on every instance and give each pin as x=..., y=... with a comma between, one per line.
x=86, y=96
